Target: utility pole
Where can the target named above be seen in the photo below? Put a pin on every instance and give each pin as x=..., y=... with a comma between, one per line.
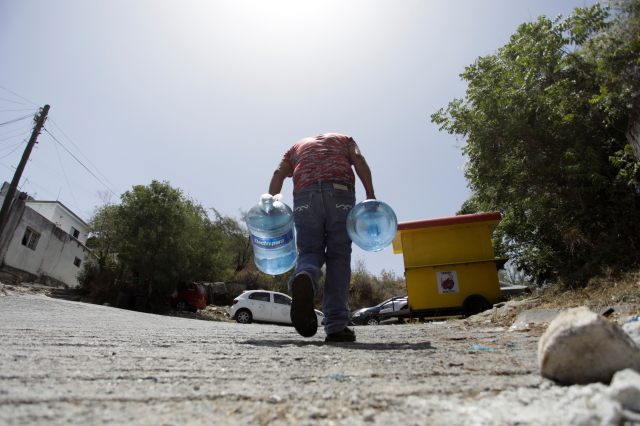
x=8, y=199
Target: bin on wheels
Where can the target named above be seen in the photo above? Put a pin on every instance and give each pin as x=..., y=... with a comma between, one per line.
x=450, y=267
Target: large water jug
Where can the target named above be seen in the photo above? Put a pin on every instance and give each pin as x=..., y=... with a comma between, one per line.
x=372, y=225
x=270, y=224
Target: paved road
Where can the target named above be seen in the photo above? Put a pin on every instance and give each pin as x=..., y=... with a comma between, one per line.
x=67, y=362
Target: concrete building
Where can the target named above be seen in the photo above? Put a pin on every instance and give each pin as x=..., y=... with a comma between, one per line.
x=42, y=241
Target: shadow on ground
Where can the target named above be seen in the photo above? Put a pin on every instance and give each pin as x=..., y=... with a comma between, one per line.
x=351, y=345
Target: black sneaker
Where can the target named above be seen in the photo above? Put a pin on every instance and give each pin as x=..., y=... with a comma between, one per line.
x=344, y=335
x=303, y=316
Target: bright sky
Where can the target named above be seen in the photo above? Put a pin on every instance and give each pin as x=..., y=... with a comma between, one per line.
x=209, y=95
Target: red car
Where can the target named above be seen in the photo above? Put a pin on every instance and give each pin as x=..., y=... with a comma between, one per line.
x=189, y=296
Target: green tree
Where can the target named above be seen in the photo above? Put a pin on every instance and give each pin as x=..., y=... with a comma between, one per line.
x=237, y=242
x=545, y=121
x=165, y=236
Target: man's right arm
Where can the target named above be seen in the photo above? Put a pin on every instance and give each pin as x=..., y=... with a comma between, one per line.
x=362, y=170
x=283, y=171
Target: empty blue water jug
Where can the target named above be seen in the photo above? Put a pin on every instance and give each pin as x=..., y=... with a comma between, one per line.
x=372, y=225
x=270, y=224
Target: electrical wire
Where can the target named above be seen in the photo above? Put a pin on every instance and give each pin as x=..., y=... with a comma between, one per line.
x=19, y=103
x=19, y=96
x=11, y=146
x=15, y=120
x=11, y=110
x=15, y=136
x=55, y=174
x=77, y=159
x=65, y=174
x=69, y=139
x=15, y=130
x=31, y=182
x=12, y=151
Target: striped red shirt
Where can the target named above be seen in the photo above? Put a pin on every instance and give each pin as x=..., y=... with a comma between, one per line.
x=322, y=157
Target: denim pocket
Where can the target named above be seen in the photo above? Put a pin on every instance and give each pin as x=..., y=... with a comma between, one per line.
x=302, y=208
x=342, y=205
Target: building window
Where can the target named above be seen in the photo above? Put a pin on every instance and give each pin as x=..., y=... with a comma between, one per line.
x=30, y=239
x=77, y=262
x=75, y=232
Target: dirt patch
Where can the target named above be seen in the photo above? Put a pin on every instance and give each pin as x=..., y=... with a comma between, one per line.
x=211, y=313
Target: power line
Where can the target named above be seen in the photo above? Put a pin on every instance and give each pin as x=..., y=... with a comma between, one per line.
x=65, y=173
x=14, y=136
x=31, y=182
x=69, y=139
x=15, y=130
x=11, y=146
x=19, y=96
x=77, y=159
x=18, y=146
x=12, y=110
x=16, y=120
x=55, y=174
x=19, y=103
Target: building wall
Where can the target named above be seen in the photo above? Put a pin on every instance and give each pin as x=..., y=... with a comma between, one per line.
x=59, y=215
x=54, y=253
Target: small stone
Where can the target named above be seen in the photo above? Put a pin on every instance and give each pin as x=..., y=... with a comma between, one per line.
x=625, y=388
x=275, y=399
x=369, y=416
x=582, y=347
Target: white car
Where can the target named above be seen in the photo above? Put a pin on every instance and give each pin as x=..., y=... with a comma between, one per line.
x=394, y=304
x=509, y=289
x=264, y=306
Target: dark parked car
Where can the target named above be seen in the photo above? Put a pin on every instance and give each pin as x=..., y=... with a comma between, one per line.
x=370, y=316
x=189, y=296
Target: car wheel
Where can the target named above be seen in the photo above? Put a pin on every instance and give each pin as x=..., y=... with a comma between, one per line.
x=404, y=307
x=372, y=321
x=182, y=305
x=243, y=316
x=475, y=304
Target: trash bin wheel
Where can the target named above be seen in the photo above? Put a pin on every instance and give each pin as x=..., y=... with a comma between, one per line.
x=475, y=304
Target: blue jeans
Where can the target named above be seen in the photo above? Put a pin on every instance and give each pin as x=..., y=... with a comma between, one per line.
x=320, y=216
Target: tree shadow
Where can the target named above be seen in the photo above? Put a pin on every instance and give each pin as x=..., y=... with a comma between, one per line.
x=349, y=345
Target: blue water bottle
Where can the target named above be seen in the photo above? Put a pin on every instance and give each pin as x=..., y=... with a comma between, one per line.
x=270, y=224
x=372, y=225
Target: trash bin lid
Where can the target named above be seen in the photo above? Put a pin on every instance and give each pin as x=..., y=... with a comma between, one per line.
x=449, y=221
x=491, y=218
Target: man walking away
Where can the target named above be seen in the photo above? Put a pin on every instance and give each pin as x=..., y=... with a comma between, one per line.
x=323, y=196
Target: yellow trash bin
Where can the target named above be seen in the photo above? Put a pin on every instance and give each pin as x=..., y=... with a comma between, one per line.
x=449, y=264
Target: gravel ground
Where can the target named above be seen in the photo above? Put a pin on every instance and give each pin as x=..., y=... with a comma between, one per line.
x=65, y=362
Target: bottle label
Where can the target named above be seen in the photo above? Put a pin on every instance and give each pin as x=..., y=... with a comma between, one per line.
x=273, y=243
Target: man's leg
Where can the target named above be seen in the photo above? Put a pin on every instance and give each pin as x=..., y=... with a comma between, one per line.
x=335, y=305
x=310, y=239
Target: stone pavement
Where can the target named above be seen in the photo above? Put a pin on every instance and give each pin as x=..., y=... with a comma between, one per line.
x=64, y=362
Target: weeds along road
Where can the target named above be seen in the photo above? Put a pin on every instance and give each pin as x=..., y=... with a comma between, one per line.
x=73, y=363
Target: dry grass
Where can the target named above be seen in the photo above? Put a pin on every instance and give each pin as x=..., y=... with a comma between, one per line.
x=600, y=292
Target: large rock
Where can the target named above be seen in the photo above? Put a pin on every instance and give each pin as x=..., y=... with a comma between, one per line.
x=583, y=347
